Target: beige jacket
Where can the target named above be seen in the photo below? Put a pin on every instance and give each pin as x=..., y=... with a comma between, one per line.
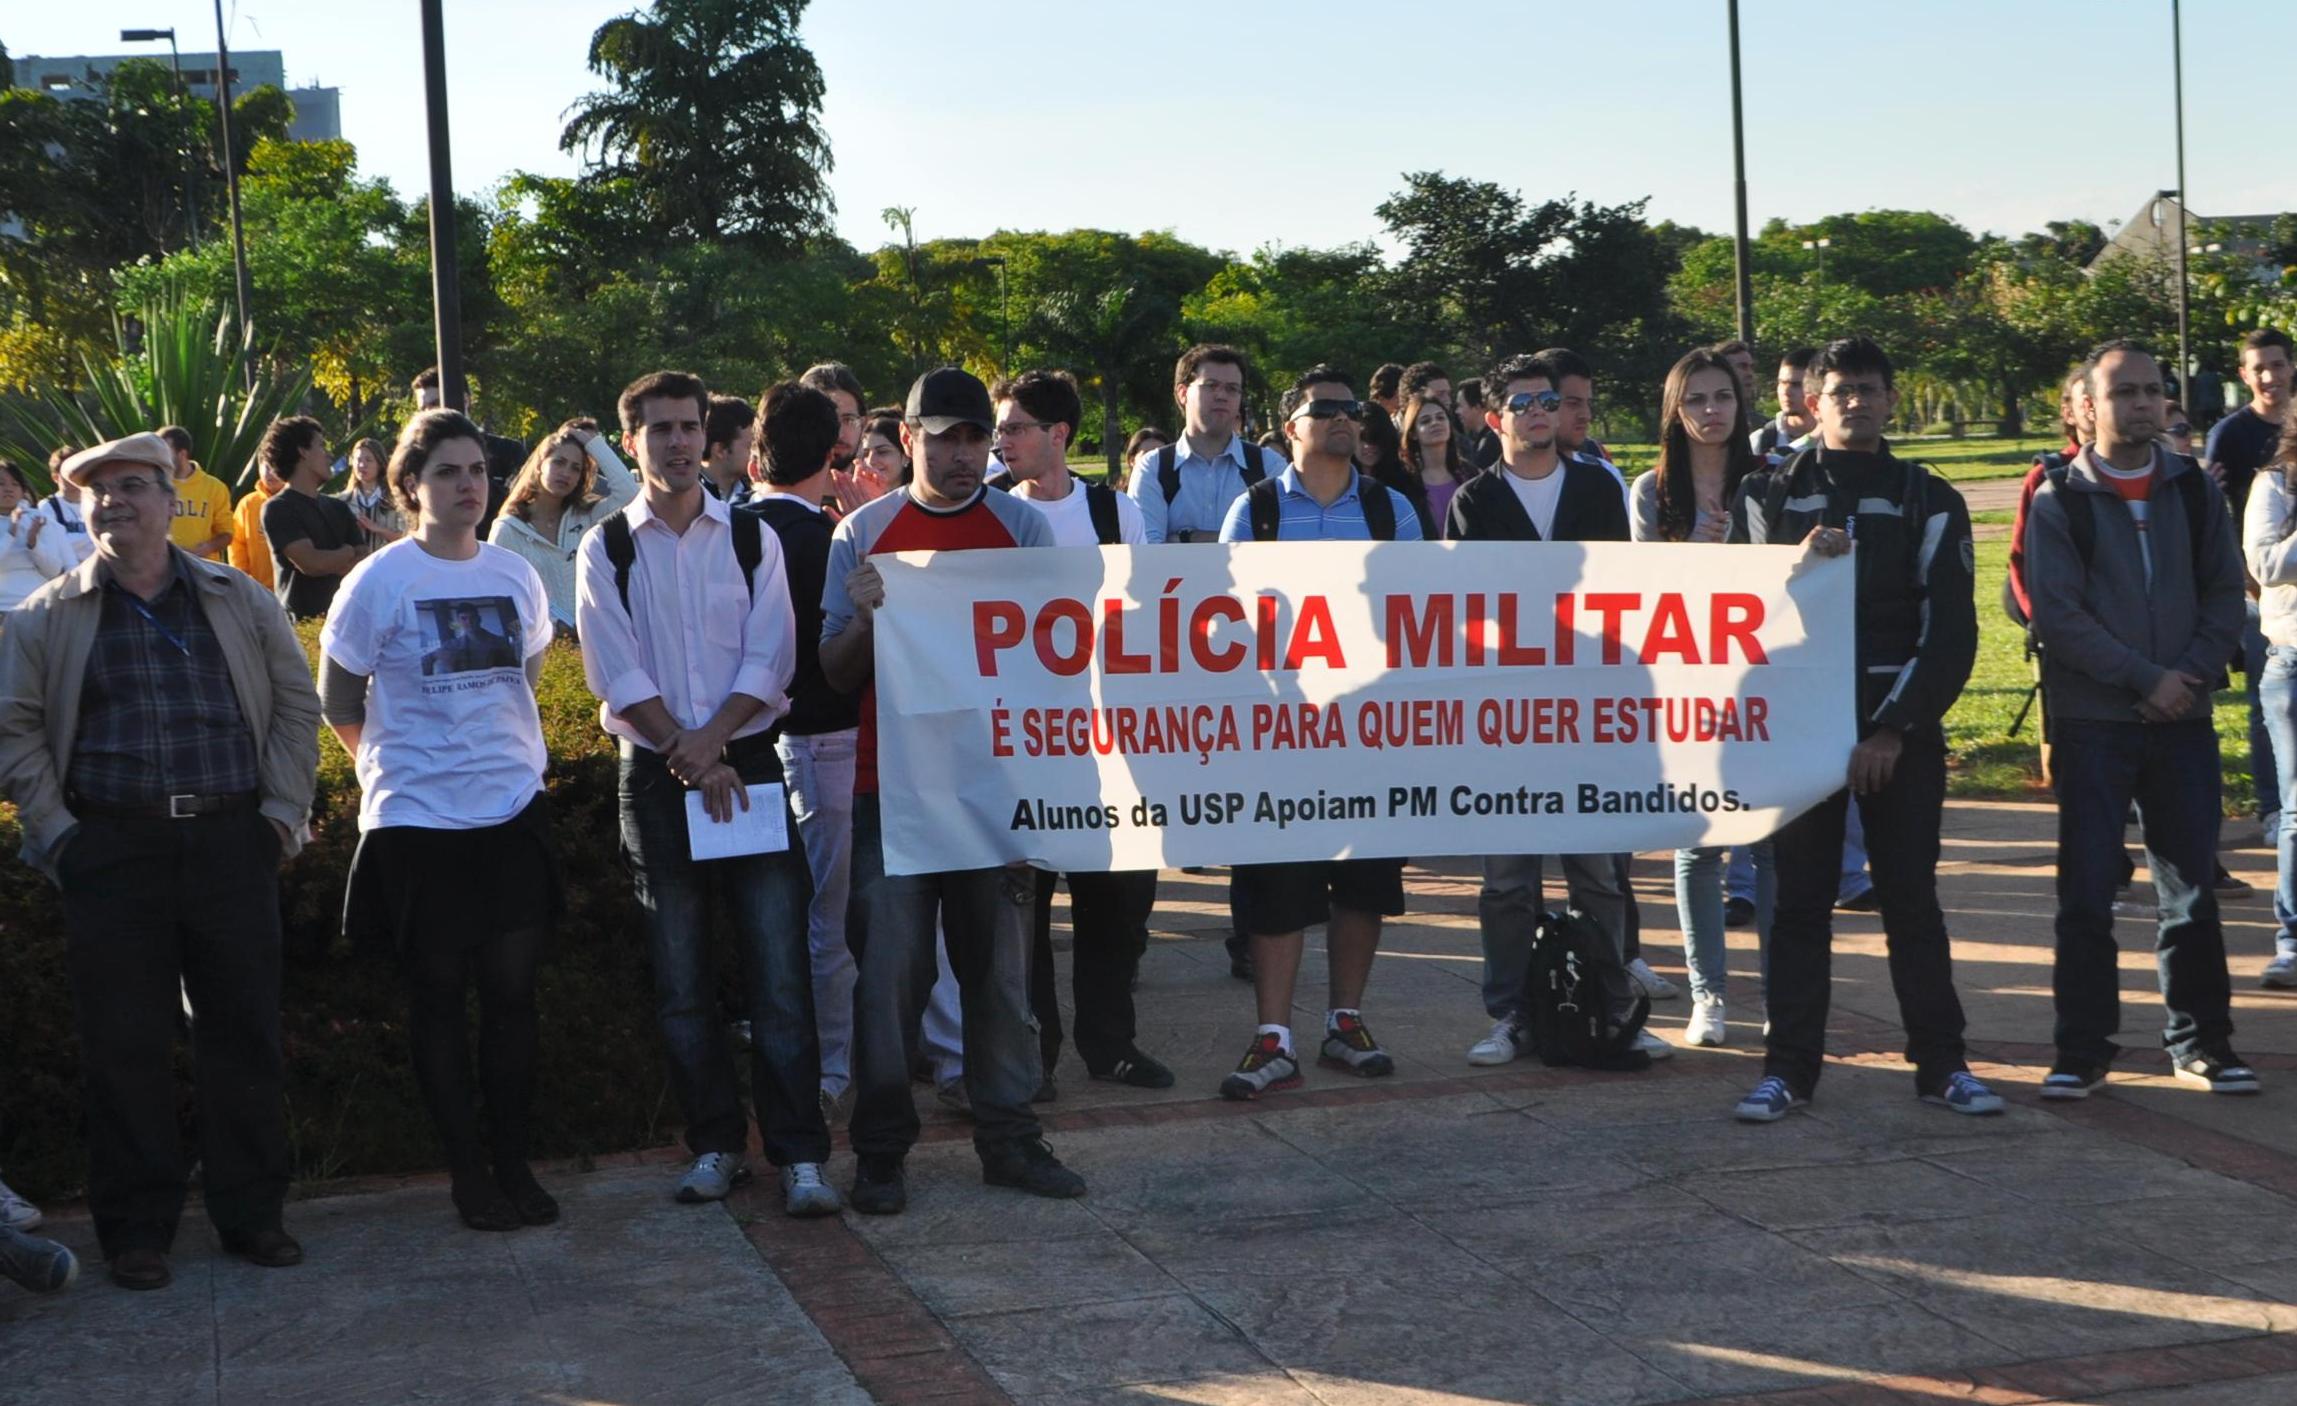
x=44, y=648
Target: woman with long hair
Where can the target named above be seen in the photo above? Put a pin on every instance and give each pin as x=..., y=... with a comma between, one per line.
x=1148, y=439
x=370, y=497
x=33, y=549
x=572, y=480
x=1379, y=457
x=2269, y=543
x=429, y=661
x=879, y=465
x=1686, y=497
x=1434, y=451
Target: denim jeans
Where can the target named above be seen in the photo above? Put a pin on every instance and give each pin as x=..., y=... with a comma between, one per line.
x=820, y=771
x=2171, y=771
x=985, y=918
x=2264, y=748
x=1699, y=907
x=1739, y=878
x=764, y=898
x=2277, y=690
x=1508, y=909
x=1902, y=820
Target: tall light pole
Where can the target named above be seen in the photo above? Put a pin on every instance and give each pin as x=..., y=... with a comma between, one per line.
x=446, y=277
x=1746, y=287
x=183, y=104
x=2177, y=62
x=243, y=287
x=1820, y=246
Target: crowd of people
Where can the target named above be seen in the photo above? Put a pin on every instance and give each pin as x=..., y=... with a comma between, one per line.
x=159, y=738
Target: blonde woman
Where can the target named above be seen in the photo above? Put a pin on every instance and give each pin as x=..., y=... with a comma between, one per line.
x=572, y=480
x=370, y=497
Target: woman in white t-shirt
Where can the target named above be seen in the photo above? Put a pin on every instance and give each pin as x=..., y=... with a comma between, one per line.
x=572, y=480
x=33, y=548
x=430, y=656
x=1703, y=455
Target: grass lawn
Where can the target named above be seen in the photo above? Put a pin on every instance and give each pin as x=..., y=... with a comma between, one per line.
x=1954, y=459
x=1988, y=763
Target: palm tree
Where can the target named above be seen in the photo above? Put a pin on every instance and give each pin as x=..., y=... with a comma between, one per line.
x=1105, y=335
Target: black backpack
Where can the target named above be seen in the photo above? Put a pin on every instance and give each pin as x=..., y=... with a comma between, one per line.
x=1267, y=509
x=622, y=550
x=1168, y=470
x=1575, y=982
x=2082, y=526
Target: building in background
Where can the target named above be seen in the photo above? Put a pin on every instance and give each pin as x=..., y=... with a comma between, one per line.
x=318, y=111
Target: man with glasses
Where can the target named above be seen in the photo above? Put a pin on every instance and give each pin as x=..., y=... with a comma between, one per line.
x=836, y=380
x=1916, y=638
x=1319, y=497
x=1536, y=494
x=159, y=737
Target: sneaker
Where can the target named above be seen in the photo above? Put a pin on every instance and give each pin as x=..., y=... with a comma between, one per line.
x=1267, y=1068
x=1502, y=1046
x=2280, y=975
x=1770, y=1101
x=1963, y=1093
x=1138, y=1070
x=1030, y=1166
x=2228, y=886
x=16, y=1213
x=42, y=1266
x=1653, y=1046
x=711, y=1178
x=951, y=1093
x=804, y=1193
x=879, y=1188
x=1738, y=912
x=2219, y=1070
x=2067, y=1080
x=1348, y=1044
x=1863, y=902
x=1655, y=986
x=1706, y=1028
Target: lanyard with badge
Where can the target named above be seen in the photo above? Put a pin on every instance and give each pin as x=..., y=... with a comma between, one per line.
x=182, y=647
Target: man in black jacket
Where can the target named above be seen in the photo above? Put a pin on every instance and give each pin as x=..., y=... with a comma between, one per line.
x=1917, y=637
x=1534, y=494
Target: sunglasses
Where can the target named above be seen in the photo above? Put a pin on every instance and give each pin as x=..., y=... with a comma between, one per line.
x=2181, y=429
x=1524, y=400
x=1330, y=410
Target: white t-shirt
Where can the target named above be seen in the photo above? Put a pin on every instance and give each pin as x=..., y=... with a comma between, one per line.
x=1072, y=520
x=452, y=739
x=1538, y=496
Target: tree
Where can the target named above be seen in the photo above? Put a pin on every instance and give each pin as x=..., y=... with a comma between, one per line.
x=714, y=114
x=1101, y=337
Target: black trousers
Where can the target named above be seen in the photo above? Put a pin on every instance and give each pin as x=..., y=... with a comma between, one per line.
x=1108, y=917
x=157, y=909
x=1902, y=823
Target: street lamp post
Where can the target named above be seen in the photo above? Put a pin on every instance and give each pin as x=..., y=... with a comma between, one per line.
x=2177, y=63
x=183, y=104
x=446, y=274
x=1742, y=275
x=1820, y=245
x=244, y=288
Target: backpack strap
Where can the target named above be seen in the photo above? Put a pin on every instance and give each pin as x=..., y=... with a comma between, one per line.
x=1379, y=508
x=1168, y=473
x=1101, y=505
x=2081, y=513
x=2196, y=498
x=622, y=550
x=749, y=547
x=1255, y=467
x=1266, y=508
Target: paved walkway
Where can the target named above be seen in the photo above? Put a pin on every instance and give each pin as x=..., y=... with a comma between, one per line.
x=1450, y=1236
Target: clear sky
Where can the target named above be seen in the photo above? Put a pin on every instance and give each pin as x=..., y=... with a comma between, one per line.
x=1251, y=122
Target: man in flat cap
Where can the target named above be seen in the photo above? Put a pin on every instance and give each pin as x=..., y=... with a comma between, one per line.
x=159, y=736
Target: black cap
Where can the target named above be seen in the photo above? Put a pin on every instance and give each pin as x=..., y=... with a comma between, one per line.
x=949, y=396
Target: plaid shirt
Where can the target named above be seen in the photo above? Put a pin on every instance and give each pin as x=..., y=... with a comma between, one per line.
x=158, y=714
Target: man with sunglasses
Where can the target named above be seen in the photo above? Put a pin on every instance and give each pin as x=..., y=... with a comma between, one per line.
x=1916, y=638
x=1537, y=494
x=1319, y=497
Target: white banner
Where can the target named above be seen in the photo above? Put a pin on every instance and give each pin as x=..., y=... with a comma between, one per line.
x=1132, y=708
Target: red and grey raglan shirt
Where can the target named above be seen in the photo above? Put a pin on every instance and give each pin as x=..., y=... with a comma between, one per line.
x=899, y=523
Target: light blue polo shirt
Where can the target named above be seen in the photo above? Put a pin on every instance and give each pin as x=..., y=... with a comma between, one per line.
x=1301, y=518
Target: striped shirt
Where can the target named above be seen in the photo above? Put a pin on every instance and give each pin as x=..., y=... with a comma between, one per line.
x=1302, y=519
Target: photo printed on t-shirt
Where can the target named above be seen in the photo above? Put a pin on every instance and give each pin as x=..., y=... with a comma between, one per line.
x=467, y=635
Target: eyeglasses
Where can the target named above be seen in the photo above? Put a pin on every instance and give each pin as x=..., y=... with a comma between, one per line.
x=1524, y=400
x=121, y=488
x=845, y=419
x=1221, y=388
x=1011, y=429
x=1856, y=390
x=1330, y=410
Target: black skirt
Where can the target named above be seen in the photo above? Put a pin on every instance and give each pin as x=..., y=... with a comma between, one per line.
x=458, y=886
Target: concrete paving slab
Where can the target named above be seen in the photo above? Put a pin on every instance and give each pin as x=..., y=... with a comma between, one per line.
x=1082, y=1347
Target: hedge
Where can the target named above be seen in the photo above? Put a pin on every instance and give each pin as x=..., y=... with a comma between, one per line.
x=352, y=1107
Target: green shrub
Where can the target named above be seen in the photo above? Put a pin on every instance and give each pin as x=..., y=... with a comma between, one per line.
x=352, y=1104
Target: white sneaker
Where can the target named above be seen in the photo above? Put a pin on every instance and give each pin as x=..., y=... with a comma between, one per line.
x=1655, y=986
x=1706, y=1026
x=1653, y=1046
x=2280, y=975
x=804, y=1193
x=16, y=1213
x=1502, y=1046
x=712, y=1177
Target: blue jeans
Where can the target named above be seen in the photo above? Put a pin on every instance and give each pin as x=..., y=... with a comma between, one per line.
x=764, y=897
x=2277, y=691
x=820, y=770
x=985, y=918
x=1739, y=878
x=2264, y=747
x=1699, y=908
x=2171, y=771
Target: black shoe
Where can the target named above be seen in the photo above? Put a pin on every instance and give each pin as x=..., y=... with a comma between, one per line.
x=1047, y=1092
x=1136, y=1069
x=1030, y=1166
x=879, y=1188
x=482, y=1204
x=272, y=1249
x=1738, y=912
x=2229, y=887
x=1866, y=902
x=2069, y=1080
x=141, y=1269
x=534, y=1205
x=2219, y=1070
x=1240, y=965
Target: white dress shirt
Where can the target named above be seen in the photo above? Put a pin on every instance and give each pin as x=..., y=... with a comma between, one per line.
x=694, y=635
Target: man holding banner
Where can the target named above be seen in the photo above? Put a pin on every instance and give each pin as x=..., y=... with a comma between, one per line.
x=1917, y=637
x=1319, y=498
